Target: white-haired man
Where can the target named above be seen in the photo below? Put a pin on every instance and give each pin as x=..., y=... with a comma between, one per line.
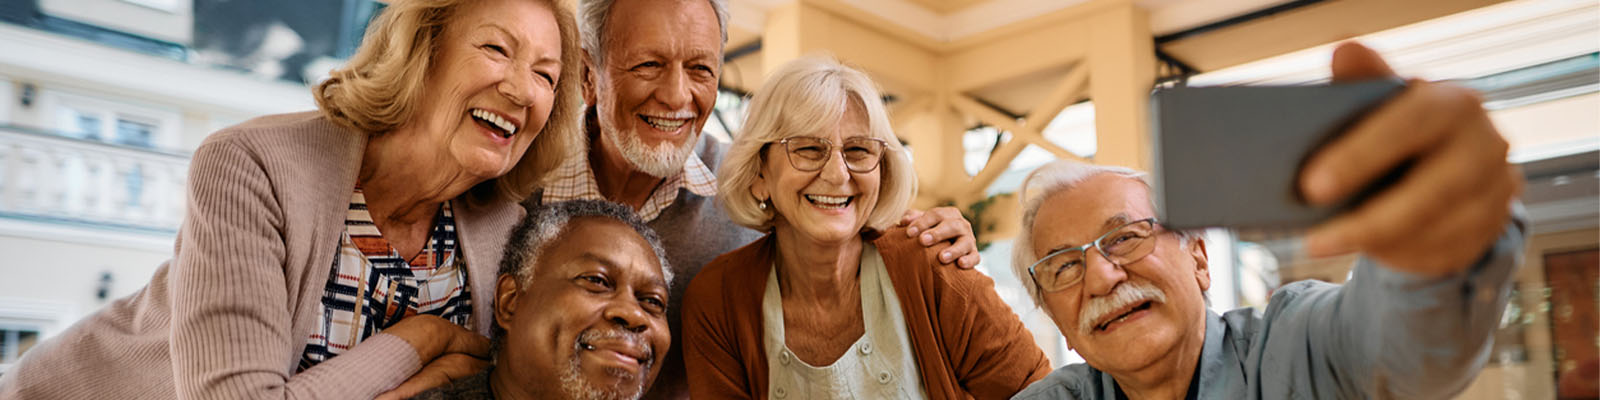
x=1414, y=322
x=651, y=75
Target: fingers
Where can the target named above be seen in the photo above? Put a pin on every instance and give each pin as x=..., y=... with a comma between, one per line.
x=968, y=261
x=1462, y=236
x=468, y=342
x=911, y=215
x=918, y=222
x=1414, y=122
x=942, y=224
x=432, y=336
x=441, y=371
x=1354, y=62
x=963, y=248
x=1441, y=215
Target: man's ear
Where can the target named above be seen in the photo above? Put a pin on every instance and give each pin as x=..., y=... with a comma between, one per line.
x=588, y=79
x=1202, y=266
x=505, y=299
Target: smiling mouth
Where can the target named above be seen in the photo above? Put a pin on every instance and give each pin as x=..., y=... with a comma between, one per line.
x=664, y=123
x=493, y=122
x=1146, y=305
x=830, y=202
x=642, y=358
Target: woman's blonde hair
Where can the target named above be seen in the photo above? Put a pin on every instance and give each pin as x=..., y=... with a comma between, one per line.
x=803, y=97
x=378, y=89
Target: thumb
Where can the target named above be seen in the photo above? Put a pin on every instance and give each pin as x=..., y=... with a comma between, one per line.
x=1355, y=62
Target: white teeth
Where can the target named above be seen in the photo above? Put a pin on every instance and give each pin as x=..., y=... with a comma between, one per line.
x=495, y=119
x=828, y=202
x=664, y=123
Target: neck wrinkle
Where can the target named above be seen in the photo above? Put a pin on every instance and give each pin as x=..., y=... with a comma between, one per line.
x=411, y=194
x=810, y=270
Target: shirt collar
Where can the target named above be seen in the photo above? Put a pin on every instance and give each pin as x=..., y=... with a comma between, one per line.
x=574, y=180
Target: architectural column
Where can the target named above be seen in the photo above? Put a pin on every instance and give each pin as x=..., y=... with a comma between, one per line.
x=1122, y=71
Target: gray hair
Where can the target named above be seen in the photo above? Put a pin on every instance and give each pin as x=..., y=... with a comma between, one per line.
x=594, y=14
x=1052, y=178
x=806, y=96
x=544, y=221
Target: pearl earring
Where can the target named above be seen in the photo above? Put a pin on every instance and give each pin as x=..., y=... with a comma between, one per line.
x=763, y=204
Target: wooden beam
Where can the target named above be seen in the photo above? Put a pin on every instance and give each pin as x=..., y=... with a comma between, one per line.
x=1022, y=54
x=1069, y=90
x=998, y=162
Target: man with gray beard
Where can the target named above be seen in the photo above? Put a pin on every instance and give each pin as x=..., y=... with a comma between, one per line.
x=651, y=69
x=1415, y=320
x=583, y=320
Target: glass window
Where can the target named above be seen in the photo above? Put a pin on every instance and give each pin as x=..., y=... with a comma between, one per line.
x=80, y=124
x=15, y=342
x=135, y=133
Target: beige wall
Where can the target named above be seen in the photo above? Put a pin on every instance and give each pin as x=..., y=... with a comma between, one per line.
x=58, y=269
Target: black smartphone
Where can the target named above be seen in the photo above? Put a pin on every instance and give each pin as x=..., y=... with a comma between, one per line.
x=1231, y=156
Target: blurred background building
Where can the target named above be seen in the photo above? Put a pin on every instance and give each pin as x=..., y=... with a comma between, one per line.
x=101, y=101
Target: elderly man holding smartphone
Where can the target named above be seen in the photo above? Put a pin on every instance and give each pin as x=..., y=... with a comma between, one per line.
x=1415, y=321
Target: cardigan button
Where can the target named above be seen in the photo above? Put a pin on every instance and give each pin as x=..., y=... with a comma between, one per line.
x=783, y=358
x=866, y=348
x=780, y=392
x=883, y=377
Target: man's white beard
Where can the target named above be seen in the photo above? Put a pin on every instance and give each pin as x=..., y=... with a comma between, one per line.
x=576, y=387
x=663, y=161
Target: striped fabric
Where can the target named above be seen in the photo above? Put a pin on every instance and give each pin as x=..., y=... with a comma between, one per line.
x=370, y=273
x=573, y=180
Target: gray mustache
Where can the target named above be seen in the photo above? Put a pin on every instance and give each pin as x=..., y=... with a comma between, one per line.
x=1127, y=293
x=631, y=338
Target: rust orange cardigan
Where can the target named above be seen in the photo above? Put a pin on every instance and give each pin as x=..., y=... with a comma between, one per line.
x=967, y=343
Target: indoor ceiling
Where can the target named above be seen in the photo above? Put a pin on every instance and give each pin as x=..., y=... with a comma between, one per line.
x=947, y=6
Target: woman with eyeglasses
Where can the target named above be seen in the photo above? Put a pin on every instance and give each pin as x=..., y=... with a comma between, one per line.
x=827, y=305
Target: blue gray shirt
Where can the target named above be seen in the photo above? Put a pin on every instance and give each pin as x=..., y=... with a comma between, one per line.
x=1385, y=334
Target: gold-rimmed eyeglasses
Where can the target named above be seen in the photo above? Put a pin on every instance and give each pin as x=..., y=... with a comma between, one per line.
x=1061, y=269
x=806, y=153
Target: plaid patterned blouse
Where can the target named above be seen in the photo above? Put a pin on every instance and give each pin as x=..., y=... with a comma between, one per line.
x=370, y=286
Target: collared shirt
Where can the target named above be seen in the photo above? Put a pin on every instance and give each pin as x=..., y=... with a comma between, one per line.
x=574, y=180
x=1385, y=334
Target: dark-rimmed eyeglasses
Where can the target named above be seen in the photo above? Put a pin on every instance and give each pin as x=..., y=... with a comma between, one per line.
x=861, y=154
x=1062, y=269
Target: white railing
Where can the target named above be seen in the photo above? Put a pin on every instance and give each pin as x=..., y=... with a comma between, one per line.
x=53, y=178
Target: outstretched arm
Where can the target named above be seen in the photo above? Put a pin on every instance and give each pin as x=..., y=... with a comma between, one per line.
x=1417, y=318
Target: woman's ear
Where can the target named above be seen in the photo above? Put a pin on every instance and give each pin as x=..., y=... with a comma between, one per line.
x=758, y=188
x=505, y=300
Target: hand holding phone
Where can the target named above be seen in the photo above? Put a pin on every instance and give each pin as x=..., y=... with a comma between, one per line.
x=1419, y=183
x=1231, y=156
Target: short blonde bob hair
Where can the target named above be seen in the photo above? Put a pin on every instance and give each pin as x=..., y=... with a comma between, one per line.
x=804, y=97
x=378, y=89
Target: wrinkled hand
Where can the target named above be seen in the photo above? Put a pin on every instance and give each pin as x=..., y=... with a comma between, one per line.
x=433, y=337
x=1447, y=209
x=944, y=227
x=440, y=372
